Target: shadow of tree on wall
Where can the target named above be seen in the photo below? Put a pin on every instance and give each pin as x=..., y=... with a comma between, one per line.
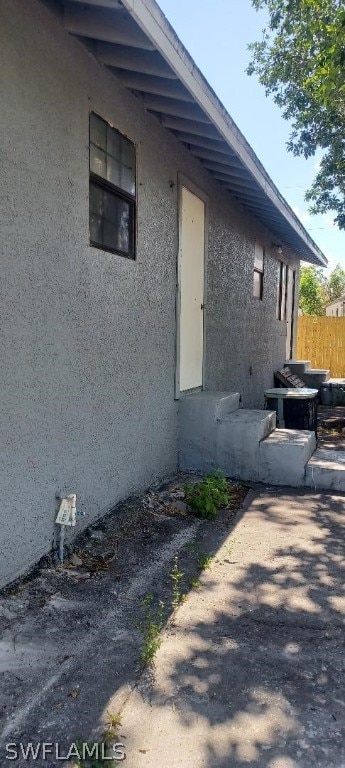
x=259, y=679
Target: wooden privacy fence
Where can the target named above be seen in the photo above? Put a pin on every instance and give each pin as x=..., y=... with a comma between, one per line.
x=322, y=341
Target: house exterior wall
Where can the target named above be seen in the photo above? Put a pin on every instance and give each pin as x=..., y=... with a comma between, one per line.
x=88, y=337
x=337, y=309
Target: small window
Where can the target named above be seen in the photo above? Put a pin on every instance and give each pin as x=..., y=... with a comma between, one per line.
x=258, y=285
x=112, y=189
x=282, y=291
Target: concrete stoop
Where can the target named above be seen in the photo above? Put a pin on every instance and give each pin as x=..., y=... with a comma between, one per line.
x=284, y=456
x=245, y=444
x=197, y=427
x=239, y=436
x=312, y=377
x=326, y=470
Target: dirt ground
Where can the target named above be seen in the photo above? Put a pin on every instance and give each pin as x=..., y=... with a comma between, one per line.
x=331, y=427
x=69, y=646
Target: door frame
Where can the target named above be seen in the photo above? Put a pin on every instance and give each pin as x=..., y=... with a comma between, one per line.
x=184, y=181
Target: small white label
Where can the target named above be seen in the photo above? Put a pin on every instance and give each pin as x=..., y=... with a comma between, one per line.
x=67, y=510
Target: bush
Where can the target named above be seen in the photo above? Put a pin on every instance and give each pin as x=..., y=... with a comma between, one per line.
x=209, y=495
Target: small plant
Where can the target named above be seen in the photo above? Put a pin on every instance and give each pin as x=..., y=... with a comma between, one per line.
x=209, y=495
x=150, y=626
x=229, y=547
x=194, y=582
x=176, y=576
x=204, y=560
x=111, y=729
x=96, y=755
x=91, y=756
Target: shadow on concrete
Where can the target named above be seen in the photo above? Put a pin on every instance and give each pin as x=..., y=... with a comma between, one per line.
x=250, y=673
x=254, y=674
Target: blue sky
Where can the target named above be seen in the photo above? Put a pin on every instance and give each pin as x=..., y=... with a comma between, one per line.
x=216, y=33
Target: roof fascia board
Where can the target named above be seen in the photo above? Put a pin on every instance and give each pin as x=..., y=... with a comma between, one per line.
x=151, y=20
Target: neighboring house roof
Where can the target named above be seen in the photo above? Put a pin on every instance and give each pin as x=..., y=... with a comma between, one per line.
x=134, y=39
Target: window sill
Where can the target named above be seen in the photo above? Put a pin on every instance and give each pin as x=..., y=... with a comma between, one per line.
x=112, y=251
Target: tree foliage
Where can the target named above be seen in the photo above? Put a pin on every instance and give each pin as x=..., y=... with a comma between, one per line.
x=300, y=61
x=316, y=290
x=335, y=284
x=312, y=297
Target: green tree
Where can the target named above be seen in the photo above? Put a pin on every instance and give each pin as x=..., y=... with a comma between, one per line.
x=336, y=284
x=312, y=295
x=300, y=61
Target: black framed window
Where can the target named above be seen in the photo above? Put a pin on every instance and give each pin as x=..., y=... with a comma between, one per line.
x=112, y=189
x=258, y=283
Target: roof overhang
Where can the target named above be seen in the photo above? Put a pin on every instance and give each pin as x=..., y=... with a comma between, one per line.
x=134, y=39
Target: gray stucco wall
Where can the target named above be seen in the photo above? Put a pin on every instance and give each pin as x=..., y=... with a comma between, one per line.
x=88, y=338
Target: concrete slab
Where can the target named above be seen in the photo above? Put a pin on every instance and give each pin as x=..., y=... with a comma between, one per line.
x=298, y=366
x=238, y=438
x=284, y=455
x=197, y=426
x=326, y=470
x=314, y=378
x=252, y=671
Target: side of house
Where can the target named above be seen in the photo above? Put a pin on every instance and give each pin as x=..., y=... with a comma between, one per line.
x=336, y=308
x=89, y=335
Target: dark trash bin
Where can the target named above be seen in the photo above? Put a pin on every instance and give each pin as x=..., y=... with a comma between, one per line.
x=295, y=408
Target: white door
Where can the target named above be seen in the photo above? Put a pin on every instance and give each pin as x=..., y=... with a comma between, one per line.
x=191, y=291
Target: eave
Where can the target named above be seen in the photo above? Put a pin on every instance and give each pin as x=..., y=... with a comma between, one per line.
x=135, y=41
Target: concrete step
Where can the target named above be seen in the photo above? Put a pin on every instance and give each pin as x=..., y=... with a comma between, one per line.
x=284, y=455
x=238, y=438
x=197, y=426
x=298, y=366
x=326, y=470
x=314, y=377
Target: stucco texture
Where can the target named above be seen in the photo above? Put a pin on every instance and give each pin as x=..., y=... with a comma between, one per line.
x=88, y=337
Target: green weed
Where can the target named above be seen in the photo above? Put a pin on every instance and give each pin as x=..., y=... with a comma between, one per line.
x=209, y=495
x=176, y=576
x=194, y=582
x=204, y=560
x=149, y=626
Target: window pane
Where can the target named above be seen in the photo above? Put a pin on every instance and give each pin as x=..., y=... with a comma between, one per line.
x=110, y=236
x=110, y=203
x=114, y=143
x=259, y=257
x=128, y=180
x=128, y=154
x=98, y=131
x=114, y=171
x=98, y=161
x=111, y=220
x=95, y=229
x=124, y=226
x=258, y=284
x=96, y=200
x=117, y=223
